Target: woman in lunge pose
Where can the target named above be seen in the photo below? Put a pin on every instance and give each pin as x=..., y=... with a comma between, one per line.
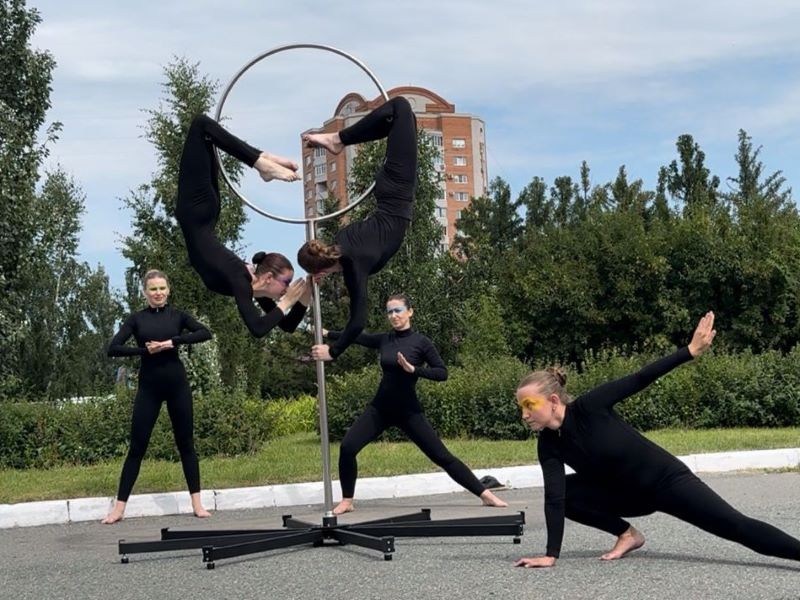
x=620, y=473
x=363, y=248
x=269, y=278
x=403, y=352
x=158, y=330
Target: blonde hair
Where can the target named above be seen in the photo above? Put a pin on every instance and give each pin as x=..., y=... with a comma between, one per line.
x=552, y=380
x=153, y=274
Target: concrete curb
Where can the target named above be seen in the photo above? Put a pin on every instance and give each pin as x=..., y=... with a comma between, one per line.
x=28, y=514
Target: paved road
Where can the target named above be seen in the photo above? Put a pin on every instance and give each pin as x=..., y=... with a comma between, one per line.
x=80, y=561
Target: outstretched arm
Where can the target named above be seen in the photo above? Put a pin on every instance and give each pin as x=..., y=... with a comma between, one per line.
x=608, y=394
x=355, y=279
x=368, y=340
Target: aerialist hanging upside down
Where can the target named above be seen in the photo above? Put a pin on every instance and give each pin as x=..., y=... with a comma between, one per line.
x=620, y=473
x=363, y=248
x=269, y=278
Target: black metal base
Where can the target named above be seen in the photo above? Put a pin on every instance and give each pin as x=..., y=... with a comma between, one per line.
x=376, y=535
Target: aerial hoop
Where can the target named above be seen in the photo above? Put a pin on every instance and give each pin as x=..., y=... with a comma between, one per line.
x=224, y=97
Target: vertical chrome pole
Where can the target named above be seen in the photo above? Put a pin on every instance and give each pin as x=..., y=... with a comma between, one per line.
x=311, y=234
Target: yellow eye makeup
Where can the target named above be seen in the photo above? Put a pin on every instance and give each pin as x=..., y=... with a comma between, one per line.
x=531, y=402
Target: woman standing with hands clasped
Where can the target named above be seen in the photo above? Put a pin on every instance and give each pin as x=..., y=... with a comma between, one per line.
x=158, y=330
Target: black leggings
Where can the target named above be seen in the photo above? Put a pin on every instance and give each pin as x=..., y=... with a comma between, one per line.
x=198, y=185
x=418, y=429
x=146, y=407
x=396, y=122
x=688, y=499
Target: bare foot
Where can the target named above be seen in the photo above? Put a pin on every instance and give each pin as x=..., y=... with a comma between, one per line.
x=284, y=162
x=489, y=499
x=345, y=506
x=116, y=514
x=330, y=141
x=201, y=513
x=269, y=170
x=627, y=542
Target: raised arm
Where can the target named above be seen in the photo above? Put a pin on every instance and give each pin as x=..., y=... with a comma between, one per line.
x=197, y=331
x=608, y=394
x=118, y=347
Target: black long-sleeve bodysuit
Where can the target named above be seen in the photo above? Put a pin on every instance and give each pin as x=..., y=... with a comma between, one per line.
x=369, y=244
x=197, y=211
x=161, y=377
x=620, y=473
x=396, y=403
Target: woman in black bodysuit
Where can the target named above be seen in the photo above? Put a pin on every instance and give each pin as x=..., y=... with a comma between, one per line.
x=159, y=330
x=269, y=279
x=620, y=473
x=403, y=352
x=363, y=248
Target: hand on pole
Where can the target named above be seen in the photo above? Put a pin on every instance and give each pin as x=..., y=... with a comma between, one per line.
x=321, y=352
x=703, y=335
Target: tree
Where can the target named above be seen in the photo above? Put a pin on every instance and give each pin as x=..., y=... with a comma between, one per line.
x=688, y=179
x=70, y=311
x=24, y=101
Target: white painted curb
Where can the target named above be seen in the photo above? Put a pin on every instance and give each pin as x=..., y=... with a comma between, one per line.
x=28, y=514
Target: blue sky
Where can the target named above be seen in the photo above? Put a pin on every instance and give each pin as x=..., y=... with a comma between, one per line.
x=612, y=83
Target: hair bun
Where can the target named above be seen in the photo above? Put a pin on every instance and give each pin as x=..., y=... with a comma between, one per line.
x=258, y=257
x=559, y=374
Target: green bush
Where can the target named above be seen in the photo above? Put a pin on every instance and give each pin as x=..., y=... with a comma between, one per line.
x=44, y=434
x=725, y=390
x=293, y=415
x=476, y=400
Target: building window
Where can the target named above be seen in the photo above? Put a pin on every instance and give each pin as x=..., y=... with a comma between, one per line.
x=319, y=170
x=309, y=194
x=437, y=139
x=333, y=184
x=441, y=211
x=442, y=193
x=459, y=214
x=308, y=159
x=438, y=161
x=460, y=178
x=462, y=196
x=332, y=167
x=320, y=206
x=459, y=143
x=319, y=152
x=460, y=161
x=443, y=247
x=308, y=175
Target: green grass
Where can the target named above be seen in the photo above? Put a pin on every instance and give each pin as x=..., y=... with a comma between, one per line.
x=297, y=458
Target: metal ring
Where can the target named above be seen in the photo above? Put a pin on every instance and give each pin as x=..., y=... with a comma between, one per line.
x=224, y=97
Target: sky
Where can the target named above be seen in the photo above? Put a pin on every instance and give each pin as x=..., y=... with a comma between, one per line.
x=613, y=83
